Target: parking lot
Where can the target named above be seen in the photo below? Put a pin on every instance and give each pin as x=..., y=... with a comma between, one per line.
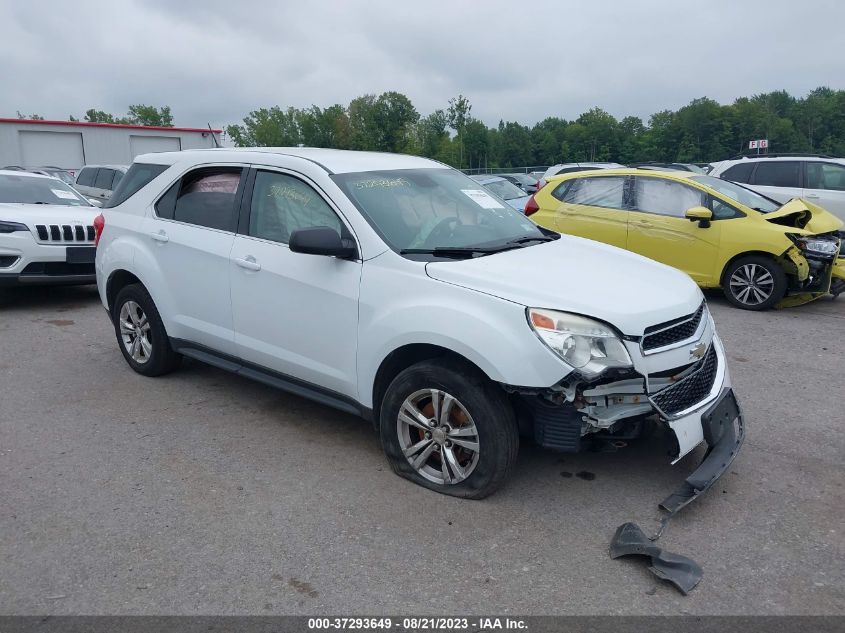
x=202, y=492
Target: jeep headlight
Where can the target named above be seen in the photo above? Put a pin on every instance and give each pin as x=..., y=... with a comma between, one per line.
x=587, y=345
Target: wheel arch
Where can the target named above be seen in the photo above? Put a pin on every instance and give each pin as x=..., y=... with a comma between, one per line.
x=767, y=254
x=403, y=357
x=118, y=280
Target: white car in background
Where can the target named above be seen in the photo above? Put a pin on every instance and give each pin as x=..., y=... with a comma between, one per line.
x=46, y=231
x=565, y=168
x=819, y=180
x=99, y=181
x=504, y=189
x=396, y=289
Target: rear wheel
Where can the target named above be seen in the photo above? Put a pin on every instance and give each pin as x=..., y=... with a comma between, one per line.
x=141, y=334
x=754, y=283
x=445, y=426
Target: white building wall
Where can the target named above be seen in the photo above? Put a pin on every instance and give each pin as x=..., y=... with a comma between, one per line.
x=100, y=145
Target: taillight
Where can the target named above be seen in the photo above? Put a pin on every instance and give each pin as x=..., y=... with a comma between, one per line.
x=531, y=206
x=99, y=225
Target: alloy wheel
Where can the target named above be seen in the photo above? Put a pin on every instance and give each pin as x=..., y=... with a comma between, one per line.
x=135, y=332
x=438, y=436
x=752, y=284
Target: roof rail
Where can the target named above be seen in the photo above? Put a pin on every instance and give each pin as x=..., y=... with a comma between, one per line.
x=780, y=155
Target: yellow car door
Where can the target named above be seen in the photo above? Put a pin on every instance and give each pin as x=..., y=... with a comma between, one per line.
x=594, y=207
x=658, y=229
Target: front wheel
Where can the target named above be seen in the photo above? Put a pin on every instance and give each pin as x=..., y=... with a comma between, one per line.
x=754, y=283
x=445, y=426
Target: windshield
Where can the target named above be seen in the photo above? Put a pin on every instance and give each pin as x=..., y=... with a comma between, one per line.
x=434, y=209
x=37, y=190
x=739, y=193
x=505, y=189
x=62, y=175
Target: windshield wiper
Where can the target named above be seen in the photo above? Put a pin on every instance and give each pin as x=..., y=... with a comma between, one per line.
x=451, y=251
x=529, y=238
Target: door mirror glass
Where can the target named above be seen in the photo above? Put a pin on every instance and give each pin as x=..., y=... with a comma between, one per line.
x=702, y=215
x=321, y=240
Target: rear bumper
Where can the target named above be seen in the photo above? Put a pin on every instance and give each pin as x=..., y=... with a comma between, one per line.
x=724, y=432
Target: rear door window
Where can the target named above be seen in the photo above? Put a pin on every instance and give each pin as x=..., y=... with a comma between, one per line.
x=104, y=179
x=86, y=176
x=602, y=191
x=204, y=197
x=778, y=174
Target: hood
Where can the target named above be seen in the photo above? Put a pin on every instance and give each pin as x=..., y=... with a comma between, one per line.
x=800, y=214
x=572, y=274
x=32, y=214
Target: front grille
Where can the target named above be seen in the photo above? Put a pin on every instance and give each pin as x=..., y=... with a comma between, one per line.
x=64, y=233
x=691, y=389
x=674, y=331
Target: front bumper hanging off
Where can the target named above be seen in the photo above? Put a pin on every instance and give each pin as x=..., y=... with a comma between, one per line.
x=724, y=432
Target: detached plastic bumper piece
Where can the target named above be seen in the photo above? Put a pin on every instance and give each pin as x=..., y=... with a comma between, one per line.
x=681, y=571
x=724, y=432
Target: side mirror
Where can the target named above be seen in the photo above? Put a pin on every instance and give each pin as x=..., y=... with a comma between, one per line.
x=321, y=240
x=702, y=215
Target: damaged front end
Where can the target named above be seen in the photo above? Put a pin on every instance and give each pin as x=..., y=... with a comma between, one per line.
x=815, y=265
x=679, y=379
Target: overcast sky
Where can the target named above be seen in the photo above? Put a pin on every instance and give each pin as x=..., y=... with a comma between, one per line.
x=212, y=61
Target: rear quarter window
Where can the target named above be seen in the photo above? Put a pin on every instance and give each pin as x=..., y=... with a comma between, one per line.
x=138, y=177
x=738, y=173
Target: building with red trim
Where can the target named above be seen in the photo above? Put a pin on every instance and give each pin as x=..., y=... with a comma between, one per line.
x=72, y=144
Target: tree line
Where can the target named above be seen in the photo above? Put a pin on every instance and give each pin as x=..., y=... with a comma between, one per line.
x=701, y=131
x=136, y=115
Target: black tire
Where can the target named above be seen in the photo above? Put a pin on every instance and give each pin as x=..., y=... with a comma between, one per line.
x=161, y=358
x=489, y=411
x=749, y=298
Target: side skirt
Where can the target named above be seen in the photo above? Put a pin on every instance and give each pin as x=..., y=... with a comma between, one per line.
x=269, y=377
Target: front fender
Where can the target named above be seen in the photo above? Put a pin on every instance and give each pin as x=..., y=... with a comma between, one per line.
x=398, y=310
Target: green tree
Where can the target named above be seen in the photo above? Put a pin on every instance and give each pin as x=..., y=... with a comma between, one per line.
x=150, y=115
x=31, y=117
x=457, y=115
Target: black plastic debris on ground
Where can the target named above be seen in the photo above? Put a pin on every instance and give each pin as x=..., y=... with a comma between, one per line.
x=681, y=571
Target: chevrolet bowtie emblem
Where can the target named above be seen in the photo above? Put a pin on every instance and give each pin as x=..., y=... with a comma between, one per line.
x=698, y=351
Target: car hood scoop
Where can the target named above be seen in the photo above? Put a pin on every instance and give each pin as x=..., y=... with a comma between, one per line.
x=626, y=290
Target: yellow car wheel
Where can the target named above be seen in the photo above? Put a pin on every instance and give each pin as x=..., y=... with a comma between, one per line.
x=754, y=283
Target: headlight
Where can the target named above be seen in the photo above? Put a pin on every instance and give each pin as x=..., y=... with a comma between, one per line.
x=589, y=346
x=823, y=248
x=12, y=227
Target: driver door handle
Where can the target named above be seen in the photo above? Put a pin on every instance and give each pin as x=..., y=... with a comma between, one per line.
x=248, y=262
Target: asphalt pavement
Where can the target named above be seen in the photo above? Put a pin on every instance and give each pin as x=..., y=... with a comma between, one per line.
x=205, y=493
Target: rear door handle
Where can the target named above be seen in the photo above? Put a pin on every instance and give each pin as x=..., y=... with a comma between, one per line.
x=161, y=236
x=248, y=262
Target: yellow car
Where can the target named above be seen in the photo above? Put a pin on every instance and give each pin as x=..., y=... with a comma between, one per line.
x=761, y=253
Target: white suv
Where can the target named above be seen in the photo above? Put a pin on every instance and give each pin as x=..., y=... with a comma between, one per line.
x=817, y=179
x=46, y=231
x=398, y=289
